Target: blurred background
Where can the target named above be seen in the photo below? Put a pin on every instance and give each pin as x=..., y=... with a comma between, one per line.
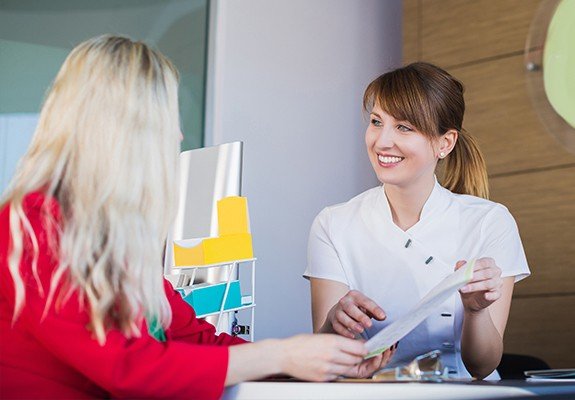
x=286, y=77
x=484, y=44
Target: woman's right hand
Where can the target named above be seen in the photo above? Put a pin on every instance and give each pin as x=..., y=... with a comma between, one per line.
x=316, y=357
x=352, y=314
x=320, y=357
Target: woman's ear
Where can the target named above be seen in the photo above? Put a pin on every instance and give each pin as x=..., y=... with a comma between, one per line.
x=446, y=143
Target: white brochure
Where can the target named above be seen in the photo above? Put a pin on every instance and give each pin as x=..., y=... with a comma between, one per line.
x=386, y=337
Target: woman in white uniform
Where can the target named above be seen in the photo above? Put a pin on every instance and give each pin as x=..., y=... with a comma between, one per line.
x=370, y=260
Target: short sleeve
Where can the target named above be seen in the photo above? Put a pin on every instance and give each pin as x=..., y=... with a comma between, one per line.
x=503, y=243
x=322, y=258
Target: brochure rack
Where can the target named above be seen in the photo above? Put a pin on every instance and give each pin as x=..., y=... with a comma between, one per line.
x=186, y=276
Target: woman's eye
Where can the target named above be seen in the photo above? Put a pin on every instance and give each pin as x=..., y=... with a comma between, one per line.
x=375, y=122
x=404, y=128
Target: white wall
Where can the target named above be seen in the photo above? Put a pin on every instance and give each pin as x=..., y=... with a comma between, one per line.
x=287, y=78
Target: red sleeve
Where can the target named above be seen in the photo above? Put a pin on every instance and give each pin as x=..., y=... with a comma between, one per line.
x=194, y=367
x=187, y=328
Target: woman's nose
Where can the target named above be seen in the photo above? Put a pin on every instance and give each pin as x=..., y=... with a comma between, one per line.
x=384, y=138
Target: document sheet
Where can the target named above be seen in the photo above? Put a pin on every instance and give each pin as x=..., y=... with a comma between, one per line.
x=386, y=337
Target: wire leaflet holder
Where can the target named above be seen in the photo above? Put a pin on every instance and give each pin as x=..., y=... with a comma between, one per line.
x=213, y=302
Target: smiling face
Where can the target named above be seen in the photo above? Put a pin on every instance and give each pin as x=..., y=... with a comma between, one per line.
x=399, y=154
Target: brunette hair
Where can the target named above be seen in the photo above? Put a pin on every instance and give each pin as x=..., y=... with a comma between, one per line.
x=432, y=100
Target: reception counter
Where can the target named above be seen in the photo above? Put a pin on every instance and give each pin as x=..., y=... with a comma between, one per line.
x=269, y=390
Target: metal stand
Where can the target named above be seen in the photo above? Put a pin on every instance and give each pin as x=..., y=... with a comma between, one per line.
x=187, y=275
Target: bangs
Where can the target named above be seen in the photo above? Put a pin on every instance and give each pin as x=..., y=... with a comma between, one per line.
x=403, y=94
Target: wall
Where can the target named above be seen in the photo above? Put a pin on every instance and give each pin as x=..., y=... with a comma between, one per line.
x=288, y=78
x=482, y=42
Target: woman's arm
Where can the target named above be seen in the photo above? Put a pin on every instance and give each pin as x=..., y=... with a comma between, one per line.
x=185, y=327
x=325, y=294
x=337, y=309
x=307, y=357
x=486, y=302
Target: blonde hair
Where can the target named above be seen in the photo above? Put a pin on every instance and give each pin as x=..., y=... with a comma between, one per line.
x=106, y=148
x=432, y=100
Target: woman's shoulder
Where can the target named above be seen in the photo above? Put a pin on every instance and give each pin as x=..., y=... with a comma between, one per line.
x=39, y=234
x=352, y=206
x=37, y=206
x=478, y=206
x=40, y=202
x=344, y=216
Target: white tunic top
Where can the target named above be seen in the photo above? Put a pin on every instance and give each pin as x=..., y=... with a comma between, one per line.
x=358, y=244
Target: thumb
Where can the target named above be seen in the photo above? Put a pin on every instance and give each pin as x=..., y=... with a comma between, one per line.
x=460, y=264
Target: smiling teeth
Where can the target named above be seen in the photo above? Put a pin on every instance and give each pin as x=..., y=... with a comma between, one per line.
x=389, y=160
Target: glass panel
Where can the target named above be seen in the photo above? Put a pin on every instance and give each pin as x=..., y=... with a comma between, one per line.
x=549, y=60
x=36, y=36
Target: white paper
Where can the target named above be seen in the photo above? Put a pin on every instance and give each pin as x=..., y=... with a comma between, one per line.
x=389, y=335
x=547, y=375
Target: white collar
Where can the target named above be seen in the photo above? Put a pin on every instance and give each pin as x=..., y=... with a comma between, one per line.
x=435, y=202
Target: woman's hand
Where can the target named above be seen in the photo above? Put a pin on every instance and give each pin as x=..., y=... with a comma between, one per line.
x=322, y=357
x=485, y=286
x=352, y=314
x=371, y=365
x=317, y=357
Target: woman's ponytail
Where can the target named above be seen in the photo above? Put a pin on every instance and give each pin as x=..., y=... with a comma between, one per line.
x=464, y=170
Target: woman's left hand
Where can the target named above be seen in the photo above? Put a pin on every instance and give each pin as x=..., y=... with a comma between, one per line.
x=485, y=286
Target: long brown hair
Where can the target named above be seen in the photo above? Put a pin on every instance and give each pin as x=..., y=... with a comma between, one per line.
x=432, y=100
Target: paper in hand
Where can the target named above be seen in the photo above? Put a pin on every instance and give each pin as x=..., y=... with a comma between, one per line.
x=389, y=335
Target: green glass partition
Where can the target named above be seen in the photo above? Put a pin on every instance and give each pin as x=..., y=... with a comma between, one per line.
x=550, y=64
x=36, y=36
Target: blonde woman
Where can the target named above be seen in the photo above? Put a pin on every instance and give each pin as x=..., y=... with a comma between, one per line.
x=373, y=258
x=84, y=309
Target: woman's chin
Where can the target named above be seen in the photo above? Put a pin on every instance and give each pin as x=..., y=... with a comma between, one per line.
x=389, y=178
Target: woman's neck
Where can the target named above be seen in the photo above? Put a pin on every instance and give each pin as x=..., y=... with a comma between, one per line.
x=406, y=202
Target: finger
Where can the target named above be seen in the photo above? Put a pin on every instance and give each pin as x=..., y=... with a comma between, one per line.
x=460, y=264
x=489, y=278
x=492, y=296
x=370, y=314
x=482, y=286
x=343, y=370
x=386, y=357
x=355, y=313
x=484, y=262
x=353, y=325
x=487, y=267
x=368, y=306
x=360, y=371
x=342, y=330
x=374, y=361
x=354, y=347
x=373, y=310
x=485, y=274
x=392, y=349
x=370, y=366
x=344, y=358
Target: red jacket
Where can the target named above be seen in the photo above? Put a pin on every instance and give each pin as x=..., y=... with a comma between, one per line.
x=58, y=357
